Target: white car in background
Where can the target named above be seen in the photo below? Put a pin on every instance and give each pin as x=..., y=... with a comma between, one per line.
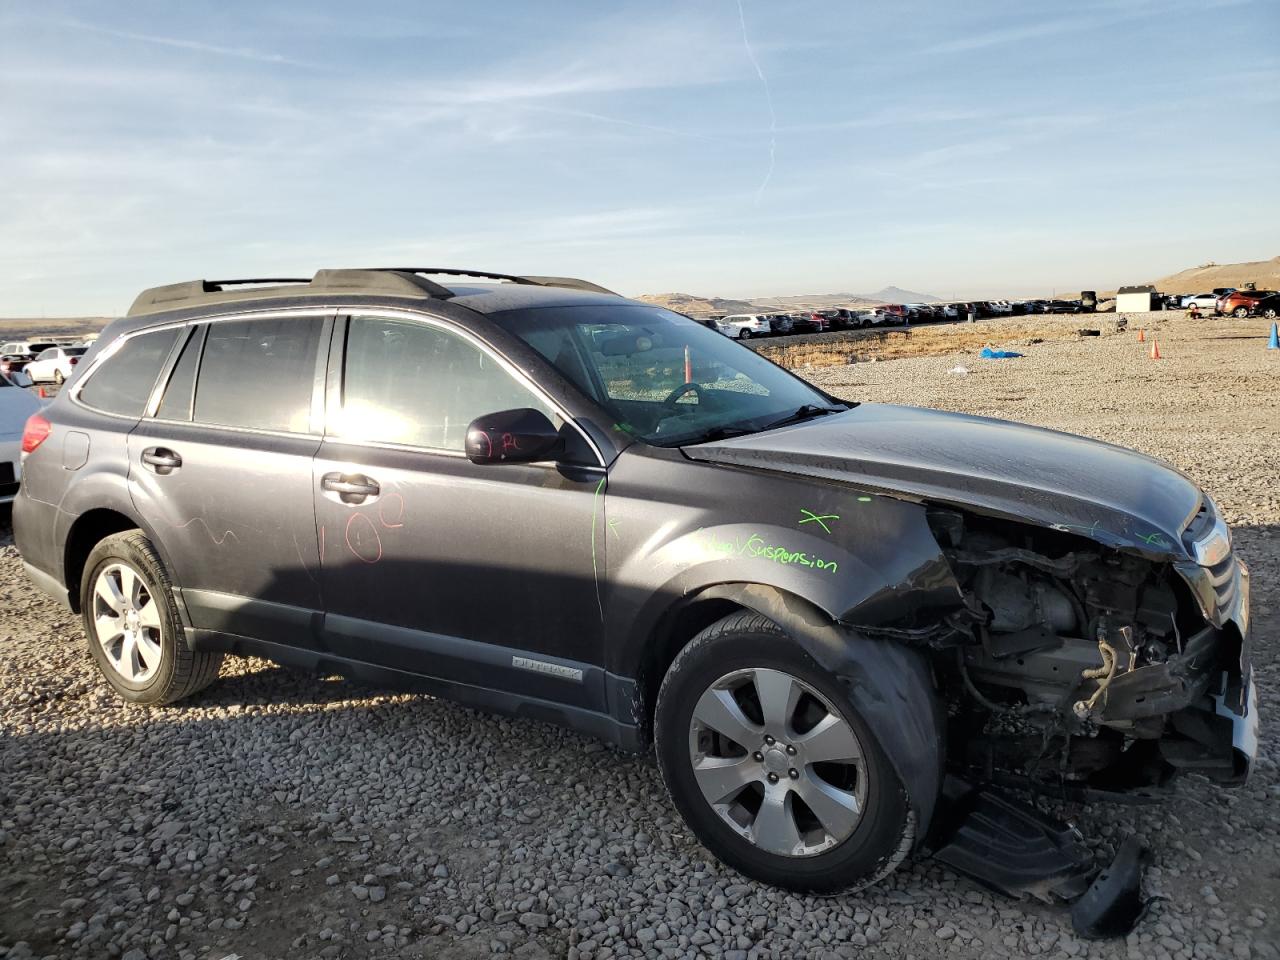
x=744, y=326
x=55, y=364
x=16, y=405
x=1205, y=301
x=1001, y=306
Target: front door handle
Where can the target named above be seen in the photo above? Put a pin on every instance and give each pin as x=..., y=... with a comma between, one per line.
x=161, y=459
x=350, y=487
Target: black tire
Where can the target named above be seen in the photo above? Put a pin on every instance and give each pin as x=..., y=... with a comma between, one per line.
x=182, y=671
x=1241, y=312
x=744, y=334
x=882, y=837
x=1270, y=313
x=57, y=377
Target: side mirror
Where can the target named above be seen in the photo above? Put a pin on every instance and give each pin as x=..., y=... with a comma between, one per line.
x=524, y=435
x=20, y=378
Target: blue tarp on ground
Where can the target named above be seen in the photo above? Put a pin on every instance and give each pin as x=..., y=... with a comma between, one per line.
x=989, y=354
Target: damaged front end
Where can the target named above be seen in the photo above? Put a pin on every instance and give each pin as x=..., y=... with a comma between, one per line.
x=1078, y=668
x=1082, y=671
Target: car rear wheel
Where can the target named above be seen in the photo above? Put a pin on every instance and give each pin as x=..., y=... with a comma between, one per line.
x=132, y=624
x=744, y=334
x=772, y=768
x=57, y=377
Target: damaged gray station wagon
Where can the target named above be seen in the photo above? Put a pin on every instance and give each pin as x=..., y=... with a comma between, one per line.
x=841, y=625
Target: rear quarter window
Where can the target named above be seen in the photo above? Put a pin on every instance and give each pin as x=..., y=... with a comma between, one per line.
x=122, y=382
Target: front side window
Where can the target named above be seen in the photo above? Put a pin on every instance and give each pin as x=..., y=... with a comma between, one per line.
x=258, y=374
x=663, y=377
x=419, y=384
x=122, y=382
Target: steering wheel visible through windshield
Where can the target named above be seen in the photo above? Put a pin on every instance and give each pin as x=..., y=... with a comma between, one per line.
x=663, y=377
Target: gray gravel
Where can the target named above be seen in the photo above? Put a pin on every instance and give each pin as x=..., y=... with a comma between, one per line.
x=279, y=816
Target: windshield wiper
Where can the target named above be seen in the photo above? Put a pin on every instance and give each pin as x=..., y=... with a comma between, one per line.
x=807, y=412
x=715, y=433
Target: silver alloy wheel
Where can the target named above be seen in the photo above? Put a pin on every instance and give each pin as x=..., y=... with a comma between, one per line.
x=794, y=784
x=126, y=622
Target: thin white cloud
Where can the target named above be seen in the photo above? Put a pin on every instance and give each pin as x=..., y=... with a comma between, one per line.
x=1007, y=35
x=181, y=43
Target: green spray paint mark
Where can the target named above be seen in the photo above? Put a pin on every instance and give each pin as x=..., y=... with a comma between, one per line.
x=613, y=528
x=864, y=499
x=595, y=570
x=756, y=546
x=1154, y=540
x=811, y=517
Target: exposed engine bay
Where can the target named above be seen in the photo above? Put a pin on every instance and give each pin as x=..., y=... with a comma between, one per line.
x=1076, y=665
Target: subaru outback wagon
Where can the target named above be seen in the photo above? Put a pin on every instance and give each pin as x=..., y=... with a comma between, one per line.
x=534, y=496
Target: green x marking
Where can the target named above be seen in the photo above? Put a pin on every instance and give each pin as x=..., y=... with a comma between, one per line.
x=811, y=517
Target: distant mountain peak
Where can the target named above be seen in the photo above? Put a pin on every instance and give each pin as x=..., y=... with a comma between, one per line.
x=892, y=294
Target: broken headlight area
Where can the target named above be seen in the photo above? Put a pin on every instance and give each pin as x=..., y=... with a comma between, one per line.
x=1081, y=667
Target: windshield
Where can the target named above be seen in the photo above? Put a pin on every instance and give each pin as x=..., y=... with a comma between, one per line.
x=663, y=377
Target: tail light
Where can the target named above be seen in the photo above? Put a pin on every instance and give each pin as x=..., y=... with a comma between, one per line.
x=35, y=432
x=74, y=360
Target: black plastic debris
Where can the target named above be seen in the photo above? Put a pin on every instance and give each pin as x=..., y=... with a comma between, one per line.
x=1113, y=904
x=1010, y=846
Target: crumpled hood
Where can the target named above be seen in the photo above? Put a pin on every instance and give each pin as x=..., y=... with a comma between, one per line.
x=1113, y=495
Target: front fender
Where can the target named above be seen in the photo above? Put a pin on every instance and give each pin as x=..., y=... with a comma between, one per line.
x=866, y=561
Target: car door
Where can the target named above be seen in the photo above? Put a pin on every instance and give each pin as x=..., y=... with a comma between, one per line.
x=222, y=472
x=482, y=575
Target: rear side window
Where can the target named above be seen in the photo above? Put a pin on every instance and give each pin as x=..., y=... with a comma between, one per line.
x=258, y=374
x=122, y=382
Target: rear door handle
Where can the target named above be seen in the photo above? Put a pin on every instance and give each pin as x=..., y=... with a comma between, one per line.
x=350, y=488
x=161, y=459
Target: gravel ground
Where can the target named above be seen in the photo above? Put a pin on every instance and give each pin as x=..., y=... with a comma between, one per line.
x=277, y=815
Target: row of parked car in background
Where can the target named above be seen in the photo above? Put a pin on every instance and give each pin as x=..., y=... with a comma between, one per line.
x=43, y=361
x=1230, y=302
x=744, y=326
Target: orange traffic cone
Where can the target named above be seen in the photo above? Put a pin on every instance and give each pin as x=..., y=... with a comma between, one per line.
x=1142, y=336
x=41, y=394
x=1155, y=349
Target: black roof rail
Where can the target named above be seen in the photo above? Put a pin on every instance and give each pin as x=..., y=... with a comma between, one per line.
x=384, y=283
x=214, y=285
x=571, y=283
x=371, y=281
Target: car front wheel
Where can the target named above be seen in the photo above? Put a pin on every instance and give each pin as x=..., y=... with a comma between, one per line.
x=1241, y=312
x=132, y=623
x=770, y=765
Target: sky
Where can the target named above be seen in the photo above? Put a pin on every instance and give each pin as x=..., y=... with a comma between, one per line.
x=713, y=147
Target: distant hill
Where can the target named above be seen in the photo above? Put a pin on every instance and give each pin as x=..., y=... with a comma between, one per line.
x=898, y=295
x=697, y=306
x=31, y=328
x=1265, y=274
x=701, y=306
